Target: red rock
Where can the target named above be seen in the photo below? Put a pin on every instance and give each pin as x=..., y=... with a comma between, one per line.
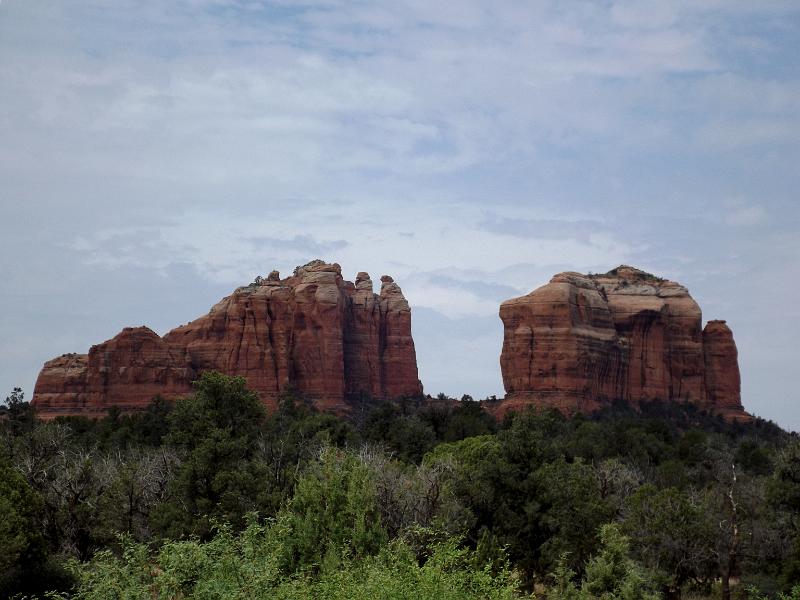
x=329, y=339
x=61, y=386
x=362, y=343
x=560, y=346
x=398, y=358
x=135, y=364
x=723, y=383
x=583, y=341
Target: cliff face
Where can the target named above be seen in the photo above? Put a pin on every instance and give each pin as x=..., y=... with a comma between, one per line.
x=329, y=339
x=133, y=365
x=722, y=368
x=582, y=341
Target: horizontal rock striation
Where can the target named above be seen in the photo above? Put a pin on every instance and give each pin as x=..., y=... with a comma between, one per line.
x=583, y=341
x=329, y=339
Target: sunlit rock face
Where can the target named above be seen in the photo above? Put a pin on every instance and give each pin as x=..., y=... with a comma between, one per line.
x=328, y=339
x=583, y=341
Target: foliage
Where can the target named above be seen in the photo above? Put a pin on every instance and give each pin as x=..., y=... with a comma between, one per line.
x=246, y=567
x=18, y=414
x=670, y=534
x=610, y=575
x=411, y=495
x=399, y=430
x=214, y=433
x=572, y=511
x=327, y=542
x=793, y=594
x=21, y=542
x=332, y=516
x=783, y=494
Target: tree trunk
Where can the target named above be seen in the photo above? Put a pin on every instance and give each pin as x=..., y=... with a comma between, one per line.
x=726, y=585
x=733, y=549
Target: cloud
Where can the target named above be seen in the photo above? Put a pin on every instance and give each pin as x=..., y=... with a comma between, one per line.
x=489, y=290
x=547, y=229
x=650, y=14
x=471, y=153
x=298, y=244
x=746, y=216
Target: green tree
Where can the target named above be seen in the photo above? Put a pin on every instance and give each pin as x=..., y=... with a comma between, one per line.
x=670, y=535
x=468, y=419
x=400, y=430
x=476, y=476
x=610, y=575
x=219, y=402
x=572, y=511
x=23, y=547
x=70, y=480
x=333, y=514
x=215, y=434
x=244, y=567
x=139, y=480
x=18, y=414
x=783, y=494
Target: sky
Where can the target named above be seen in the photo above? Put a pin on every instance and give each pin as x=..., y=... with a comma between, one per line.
x=155, y=155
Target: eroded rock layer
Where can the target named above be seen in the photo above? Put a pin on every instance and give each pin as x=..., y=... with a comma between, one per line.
x=582, y=341
x=329, y=339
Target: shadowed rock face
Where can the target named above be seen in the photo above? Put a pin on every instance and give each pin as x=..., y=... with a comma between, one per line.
x=329, y=339
x=583, y=341
x=722, y=368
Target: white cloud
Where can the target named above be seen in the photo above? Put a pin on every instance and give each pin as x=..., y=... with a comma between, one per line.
x=745, y=216
x=649, y=14
x=137, y=134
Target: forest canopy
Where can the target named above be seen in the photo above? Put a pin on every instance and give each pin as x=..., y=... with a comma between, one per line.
x=211, y=496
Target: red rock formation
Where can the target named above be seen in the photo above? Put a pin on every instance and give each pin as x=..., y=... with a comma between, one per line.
x=723, y=384
x=61, y=385
x=362, y=342
x=582, y=341
x=559, y=345
x=396, y=343
x=136, y=363
x=329, y=339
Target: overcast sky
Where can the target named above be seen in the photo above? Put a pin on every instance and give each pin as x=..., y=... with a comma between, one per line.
x=155, y=154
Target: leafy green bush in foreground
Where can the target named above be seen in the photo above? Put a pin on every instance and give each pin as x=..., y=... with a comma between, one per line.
x=326, y=543
x=247, y=566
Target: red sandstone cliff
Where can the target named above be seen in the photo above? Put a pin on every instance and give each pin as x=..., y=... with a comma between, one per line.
x=582, y=341
x=722, y=369
x=328, y=338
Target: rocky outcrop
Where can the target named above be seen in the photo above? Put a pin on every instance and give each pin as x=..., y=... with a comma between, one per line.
x=396, y=344
x=329, y=339
x=723, y=390
x=583, y=341
x=135, y=364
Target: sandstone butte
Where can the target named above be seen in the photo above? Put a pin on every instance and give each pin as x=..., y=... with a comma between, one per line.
x=329, y=339
x=582, y=341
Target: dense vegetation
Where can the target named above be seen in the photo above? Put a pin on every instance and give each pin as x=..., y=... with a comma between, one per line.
x=211, y=497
